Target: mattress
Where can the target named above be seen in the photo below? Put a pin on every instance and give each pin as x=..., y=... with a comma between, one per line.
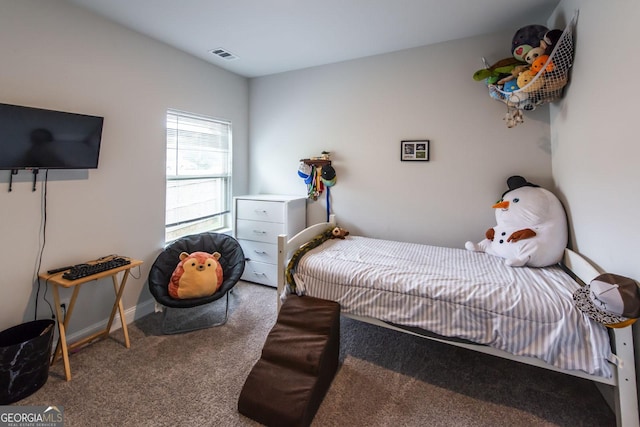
x=458, y=293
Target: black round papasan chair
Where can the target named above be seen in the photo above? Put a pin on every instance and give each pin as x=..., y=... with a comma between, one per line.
x=232, y=262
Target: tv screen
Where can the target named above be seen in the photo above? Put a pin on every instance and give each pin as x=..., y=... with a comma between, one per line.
x=35, y=138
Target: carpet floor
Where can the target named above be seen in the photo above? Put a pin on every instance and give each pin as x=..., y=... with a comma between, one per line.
x=386, y=378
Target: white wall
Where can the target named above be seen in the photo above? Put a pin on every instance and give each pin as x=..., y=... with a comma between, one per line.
x=60, y=57
x=360, y=111
x=595, y=138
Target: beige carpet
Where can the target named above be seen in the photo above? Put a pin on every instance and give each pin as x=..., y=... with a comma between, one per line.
x=386, y=379
x=388, y=398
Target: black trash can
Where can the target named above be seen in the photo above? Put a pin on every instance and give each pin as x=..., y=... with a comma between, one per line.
x=25, y=353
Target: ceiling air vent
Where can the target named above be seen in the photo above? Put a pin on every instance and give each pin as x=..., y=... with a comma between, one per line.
x=223, y=53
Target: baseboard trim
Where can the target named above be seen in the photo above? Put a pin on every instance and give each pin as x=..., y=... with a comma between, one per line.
x=131, y=314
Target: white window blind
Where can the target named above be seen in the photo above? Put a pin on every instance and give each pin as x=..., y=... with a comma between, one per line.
x=198, y=195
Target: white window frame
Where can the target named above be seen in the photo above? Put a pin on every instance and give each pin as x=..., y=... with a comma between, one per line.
x=198, y=174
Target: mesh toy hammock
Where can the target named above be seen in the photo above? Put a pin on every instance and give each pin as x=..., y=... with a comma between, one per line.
x=547, y=85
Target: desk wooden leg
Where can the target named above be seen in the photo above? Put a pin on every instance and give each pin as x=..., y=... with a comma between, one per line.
x=62, y=339
x=66, y=318
x=117, y=305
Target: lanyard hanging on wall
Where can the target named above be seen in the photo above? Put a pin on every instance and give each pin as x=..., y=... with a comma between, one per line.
x=328, y=203
x=328, y=176
x=318, y=174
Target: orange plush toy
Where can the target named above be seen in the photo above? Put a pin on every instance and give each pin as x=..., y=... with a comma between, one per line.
x=198, y=274
x=538, y=64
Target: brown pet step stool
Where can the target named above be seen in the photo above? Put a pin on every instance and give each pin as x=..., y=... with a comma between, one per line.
x=299, y=360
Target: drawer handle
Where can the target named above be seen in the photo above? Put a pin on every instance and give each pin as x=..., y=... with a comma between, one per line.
x=259, y=252
x=259, y=274
x=259, y=232
x=262, y=211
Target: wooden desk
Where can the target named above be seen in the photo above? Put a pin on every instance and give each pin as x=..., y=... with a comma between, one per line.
x=56, y=279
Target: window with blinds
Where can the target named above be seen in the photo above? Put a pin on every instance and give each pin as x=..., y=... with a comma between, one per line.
x=198, y=195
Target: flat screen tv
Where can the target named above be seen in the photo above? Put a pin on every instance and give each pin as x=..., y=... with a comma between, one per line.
x=35, y=138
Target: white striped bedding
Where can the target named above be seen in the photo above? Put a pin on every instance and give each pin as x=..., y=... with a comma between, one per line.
x=458, y=293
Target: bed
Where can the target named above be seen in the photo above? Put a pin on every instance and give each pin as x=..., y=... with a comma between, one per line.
x=467, y=299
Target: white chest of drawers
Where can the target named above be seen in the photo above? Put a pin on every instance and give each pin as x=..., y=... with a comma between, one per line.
x=257, y=222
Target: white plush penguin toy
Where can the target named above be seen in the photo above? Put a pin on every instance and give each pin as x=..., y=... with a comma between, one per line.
x=531, y=227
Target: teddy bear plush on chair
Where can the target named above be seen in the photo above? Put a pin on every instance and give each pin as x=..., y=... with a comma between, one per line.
x=531, y=227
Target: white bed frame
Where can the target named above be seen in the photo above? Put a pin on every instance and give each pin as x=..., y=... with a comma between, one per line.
x=620, y=391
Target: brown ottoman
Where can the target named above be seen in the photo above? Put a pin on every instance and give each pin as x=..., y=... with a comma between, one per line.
x=299, y=360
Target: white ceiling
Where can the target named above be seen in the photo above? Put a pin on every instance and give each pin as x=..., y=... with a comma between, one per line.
x=272, y=36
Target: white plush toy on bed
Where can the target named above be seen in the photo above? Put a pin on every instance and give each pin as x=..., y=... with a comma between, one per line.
x=531, y=227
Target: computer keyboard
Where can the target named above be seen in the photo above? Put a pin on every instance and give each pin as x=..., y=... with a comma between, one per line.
x=83, y=270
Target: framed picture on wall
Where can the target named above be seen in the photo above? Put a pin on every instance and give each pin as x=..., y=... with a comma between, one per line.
x=414, y=150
